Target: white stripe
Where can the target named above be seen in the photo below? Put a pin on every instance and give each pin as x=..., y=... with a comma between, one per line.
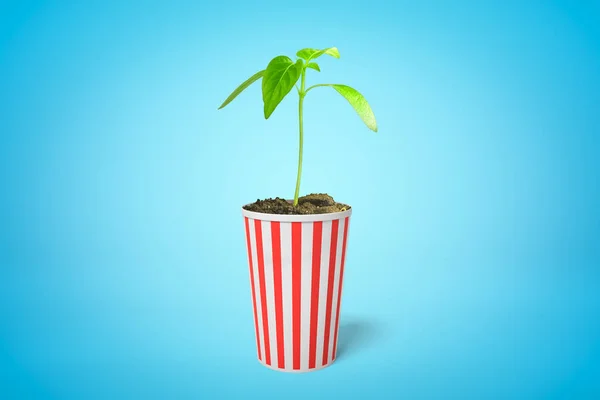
x=286, y=283
x=270, y=288
x=257, y=288
x=251, y=277
x=347, y=228
x=307, y=240
x=338, y=262
x=325, y=246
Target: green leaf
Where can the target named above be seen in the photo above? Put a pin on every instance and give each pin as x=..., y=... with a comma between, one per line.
x=311, y=54
x=241, y=88
x=280, y=77
x=359, y=103
x=314, y=66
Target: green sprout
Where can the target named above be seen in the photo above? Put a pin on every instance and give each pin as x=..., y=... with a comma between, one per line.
x=282, y=74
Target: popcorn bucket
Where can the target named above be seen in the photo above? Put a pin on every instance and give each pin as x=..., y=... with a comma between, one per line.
x=296, y=274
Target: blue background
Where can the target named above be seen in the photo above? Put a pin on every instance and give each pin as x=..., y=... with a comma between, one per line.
x=474, y=251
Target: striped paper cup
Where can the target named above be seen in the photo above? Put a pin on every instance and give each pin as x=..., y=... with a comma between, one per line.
x=296, y=275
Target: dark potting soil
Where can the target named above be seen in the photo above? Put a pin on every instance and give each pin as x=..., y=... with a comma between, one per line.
x=315, y=203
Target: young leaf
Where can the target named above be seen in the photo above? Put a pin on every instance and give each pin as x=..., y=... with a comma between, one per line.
x=241, y=88
x=310, y=54
x=280, y=77
x=359, y=103
x=314, y=66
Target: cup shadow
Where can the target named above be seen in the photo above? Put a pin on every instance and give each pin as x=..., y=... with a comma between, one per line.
x=357, y=335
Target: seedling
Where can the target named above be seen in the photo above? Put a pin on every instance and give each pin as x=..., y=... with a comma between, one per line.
x=282, y=74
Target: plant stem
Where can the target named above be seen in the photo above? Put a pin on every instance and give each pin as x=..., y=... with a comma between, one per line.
x=302, y=93
x=319, y=85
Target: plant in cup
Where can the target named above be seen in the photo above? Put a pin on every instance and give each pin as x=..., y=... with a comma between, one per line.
x=297, y=248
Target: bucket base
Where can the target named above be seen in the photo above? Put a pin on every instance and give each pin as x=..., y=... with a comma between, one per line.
x=295, y=371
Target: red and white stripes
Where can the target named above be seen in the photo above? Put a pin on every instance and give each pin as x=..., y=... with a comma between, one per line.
x=296, y=276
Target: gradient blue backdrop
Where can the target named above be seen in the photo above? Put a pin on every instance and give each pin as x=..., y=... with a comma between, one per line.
x=474, y=253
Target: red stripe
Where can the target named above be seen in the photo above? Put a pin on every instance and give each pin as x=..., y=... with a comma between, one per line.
x=332, y=254
x=276, y=240
x=337, y=317
x=252, y=287
x=296, y=289
x=314, y=301
x=263, y=289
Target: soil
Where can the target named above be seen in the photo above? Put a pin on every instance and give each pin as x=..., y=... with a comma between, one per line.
x=315, y=203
